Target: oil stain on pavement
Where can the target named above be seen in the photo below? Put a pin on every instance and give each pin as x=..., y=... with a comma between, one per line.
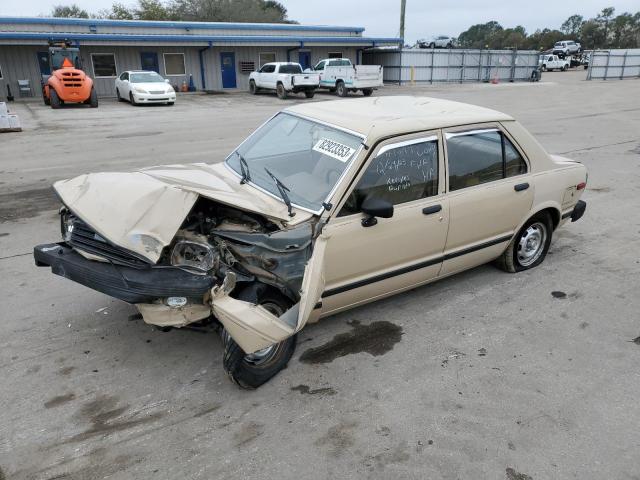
x=377, y=338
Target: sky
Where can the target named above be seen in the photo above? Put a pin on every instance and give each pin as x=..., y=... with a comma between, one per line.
x=381, y=18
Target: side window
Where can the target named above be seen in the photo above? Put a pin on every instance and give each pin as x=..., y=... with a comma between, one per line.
x=400, y=173
x=268, y=68
x=480, y=157
x=320, y=66
x=514, y=163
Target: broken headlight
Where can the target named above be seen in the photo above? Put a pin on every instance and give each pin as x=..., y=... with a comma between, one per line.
x=187, y=253
x=66, y=223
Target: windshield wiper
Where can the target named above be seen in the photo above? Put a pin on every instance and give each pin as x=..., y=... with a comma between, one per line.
x=282, y=188
x=244, y=168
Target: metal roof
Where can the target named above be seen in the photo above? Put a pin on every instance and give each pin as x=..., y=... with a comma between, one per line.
x=164, y=24
x=207, y=39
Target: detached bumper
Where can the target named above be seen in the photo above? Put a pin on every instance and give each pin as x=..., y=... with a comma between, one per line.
x=131, y=285
x=578, y=210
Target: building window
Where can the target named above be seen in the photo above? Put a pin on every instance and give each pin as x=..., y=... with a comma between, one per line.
x=104, y=65
x=174, y=64
x=335, y=54
x=266, y=58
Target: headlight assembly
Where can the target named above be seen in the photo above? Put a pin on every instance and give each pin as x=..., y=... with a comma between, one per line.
x=187, y=253
x=140, y=90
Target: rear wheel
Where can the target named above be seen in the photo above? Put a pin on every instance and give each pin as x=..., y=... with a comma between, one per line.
x=529, y=247
x=45, y=99
x=282, y=93
x=253, y=369
x=341, y=89
x=564, y=68
x=432, y=45
x=309, y=93
x=54, y=99
x=367, y=92
x=544, y=67
x=93, y=99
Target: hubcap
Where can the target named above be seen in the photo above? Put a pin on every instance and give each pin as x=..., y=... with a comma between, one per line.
x=531, y=244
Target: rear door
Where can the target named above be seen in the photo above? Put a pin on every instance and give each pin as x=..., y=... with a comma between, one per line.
x=489, y=193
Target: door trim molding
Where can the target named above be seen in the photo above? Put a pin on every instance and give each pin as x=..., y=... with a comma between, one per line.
x=415, y=266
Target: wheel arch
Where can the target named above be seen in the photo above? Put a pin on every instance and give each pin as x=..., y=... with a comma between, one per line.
x=552, y=208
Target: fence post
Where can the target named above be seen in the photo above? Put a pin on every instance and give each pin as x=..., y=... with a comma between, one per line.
x=606, y=68
x=462, y=69
x=591, y=59
x=624, y=62
x=433, y=53
x=513, y=64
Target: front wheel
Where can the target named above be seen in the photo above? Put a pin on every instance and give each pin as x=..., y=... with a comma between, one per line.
x=544, y=68
x=564, y=68
x=120, y=99
x=367, y=92
x=253, y=369
x=252, y=87
x=132, y=100
x=281, y=92
x=309, y=93
x=529, y=247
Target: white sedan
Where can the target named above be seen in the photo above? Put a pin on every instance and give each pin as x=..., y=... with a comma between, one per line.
x=141, y=86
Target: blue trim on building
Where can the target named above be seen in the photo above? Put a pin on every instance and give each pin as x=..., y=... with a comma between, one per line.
x=115, y=37
x=92, y=22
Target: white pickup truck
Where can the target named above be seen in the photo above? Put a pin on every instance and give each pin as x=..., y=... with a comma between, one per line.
x=340, y=75
x=552, y=62
x=284, y=77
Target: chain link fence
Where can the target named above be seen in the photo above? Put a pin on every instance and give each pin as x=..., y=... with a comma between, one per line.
x=454, y=65
x=615, y=64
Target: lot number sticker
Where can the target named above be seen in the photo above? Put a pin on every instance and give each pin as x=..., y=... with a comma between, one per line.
x=334, y=149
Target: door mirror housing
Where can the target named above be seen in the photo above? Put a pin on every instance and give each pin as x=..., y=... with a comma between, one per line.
x=375, y=207
x=166, y=80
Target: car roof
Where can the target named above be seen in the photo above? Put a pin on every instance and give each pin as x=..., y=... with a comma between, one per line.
x=281, y=63
x=377, y=117
x=140, y=71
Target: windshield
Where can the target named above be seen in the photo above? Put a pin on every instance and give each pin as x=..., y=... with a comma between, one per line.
x=290, y=69
x=58, y=57
x=307, y=157
x=147, y=77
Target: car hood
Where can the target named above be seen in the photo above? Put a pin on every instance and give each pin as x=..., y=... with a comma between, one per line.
x=143, y=210
x=152, y=86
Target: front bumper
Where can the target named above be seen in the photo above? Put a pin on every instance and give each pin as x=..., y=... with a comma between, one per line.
x=131, y=285
x=154, y=97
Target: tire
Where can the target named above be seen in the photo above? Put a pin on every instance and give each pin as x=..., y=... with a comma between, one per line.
x=432, y=45
x=281, y=92
x=252, y=87
x=529, y=247
x=93, y=98
x=170, y=104
x=332, y=90
x=132, y=100
x=367, y=92
x=45, y=99
x=564, y=68
x=54, y=99
x=544, y=67
x=449, y=45
x=120, y=99
x=251, y=371
x=309, y=93
x=341, y=89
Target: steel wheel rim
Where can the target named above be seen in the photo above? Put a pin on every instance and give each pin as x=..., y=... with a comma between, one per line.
x=531, y=244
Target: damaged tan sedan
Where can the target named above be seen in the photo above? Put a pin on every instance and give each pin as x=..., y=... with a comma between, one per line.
x=325, y=207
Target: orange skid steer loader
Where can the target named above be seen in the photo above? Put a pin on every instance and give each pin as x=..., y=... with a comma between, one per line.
x=67, y=83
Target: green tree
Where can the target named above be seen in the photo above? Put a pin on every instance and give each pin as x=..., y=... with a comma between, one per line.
x=572, y=25
x=69, y=11
x=256, y=11
x=481, y=35
x=604, y=18
x=120, y=12
x=592, y=35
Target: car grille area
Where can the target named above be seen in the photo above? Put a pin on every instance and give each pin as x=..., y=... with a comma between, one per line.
x=82, y=237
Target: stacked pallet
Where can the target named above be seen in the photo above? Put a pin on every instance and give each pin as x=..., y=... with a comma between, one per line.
x=9, y=122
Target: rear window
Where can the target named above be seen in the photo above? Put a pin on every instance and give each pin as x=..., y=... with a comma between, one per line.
x=290, y=69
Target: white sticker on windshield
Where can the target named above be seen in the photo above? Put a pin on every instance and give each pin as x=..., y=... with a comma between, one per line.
x=334, y=149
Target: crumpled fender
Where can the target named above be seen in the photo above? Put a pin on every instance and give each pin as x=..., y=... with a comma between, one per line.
x=253, y=327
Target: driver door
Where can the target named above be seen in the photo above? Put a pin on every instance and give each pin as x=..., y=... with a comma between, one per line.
x=364, y=262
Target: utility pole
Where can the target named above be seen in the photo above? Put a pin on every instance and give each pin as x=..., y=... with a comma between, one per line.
x=403, y=4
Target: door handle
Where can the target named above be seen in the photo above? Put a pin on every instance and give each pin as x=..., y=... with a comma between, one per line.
x=432, y=209
x=520, y=187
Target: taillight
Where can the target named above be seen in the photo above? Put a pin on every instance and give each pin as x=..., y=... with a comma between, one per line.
x=581, y=185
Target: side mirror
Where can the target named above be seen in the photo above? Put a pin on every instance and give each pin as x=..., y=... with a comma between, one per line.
x=166, y=80
x=375, y=207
